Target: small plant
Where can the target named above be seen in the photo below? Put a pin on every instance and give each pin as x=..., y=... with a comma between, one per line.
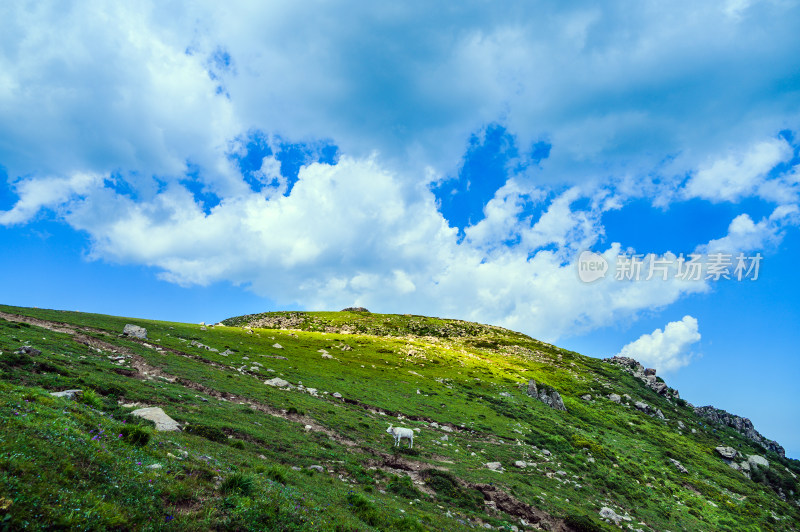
x=207, y=432
x=363, y=508
x=404, y=487
x=238, y=483
x=135, y=435
x=91, y=398
x=277, y=473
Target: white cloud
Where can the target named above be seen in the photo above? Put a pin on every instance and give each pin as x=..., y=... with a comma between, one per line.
x=667, y=349
x=35, y=194
x=741, y=175
x=745, y=235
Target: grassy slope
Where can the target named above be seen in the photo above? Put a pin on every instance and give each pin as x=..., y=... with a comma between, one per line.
x=57, y=468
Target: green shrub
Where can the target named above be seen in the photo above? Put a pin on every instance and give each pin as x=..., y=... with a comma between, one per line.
x=363, y=508
x=135, y=435
x=404, y=487
x=204, y=431
x=237, y=444
x=277, y=473
x=90, y=398
x=447, y=488
x=238, y=483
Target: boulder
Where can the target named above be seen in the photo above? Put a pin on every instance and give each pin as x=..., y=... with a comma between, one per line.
x=644, y=407
x=135, y=331
x=277, y=382
x=494, y=466
x=27, y=350
x=728, y=453
x=520, y=464
x=69, y=394
x=277, y=346
x=505, y=394
x=318, y=468
x=614, y=398
x=611, y=515
x=756, y=460
x=586, y=397
x=547, y=395
x=337, y=395
x=649, y=371
x=158, y=416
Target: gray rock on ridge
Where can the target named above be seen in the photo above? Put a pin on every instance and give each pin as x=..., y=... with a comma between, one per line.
x=646, y=375
x=135, y=331
x=742, y=425
x=354, y=309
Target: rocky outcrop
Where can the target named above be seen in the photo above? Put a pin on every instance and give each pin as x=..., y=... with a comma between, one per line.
x=646, y=375
x=742, y=425
x=354, y=309
x=546, y=394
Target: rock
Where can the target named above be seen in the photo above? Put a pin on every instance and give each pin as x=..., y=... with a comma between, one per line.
x=614, y=398
x=586, y=397
x=644, y=407
x=69, y=394
x=505, y=394
x=226, y=352
x=326, y=355
x=444, y=438
x=354, y=309
x=728, y=453
x=681, y=425
x=337, y=395
x=277, y=346
x=446, y=428
x=649, y=371
x=135, y=331
x=520, y=464
x=308, y=428
x=659, y=414
x=546, y=394
x=158, y=416
x=494, y=466
x=756, y=460
x=318, y=468
x=608, y=513
x=546, y=452
x=153, y=466
x=277, y=382
x=27, y=350
x=742, y=425
x=678, y=466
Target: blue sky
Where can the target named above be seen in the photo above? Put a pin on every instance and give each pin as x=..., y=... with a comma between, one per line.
x=196, y=162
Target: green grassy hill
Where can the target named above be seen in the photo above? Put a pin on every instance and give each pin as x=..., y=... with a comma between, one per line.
x=310, y=450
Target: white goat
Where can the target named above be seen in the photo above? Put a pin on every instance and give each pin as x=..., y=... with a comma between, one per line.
x=399, y=432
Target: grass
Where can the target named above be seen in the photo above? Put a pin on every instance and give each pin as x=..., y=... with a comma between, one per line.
x=242, y=460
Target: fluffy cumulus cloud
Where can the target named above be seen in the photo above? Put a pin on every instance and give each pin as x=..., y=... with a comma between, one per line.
x=667, y=349
x=141, y=126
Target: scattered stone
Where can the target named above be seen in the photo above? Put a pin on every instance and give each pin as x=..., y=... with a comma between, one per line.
x=277, y=346
x=586, y=397
x=69, y=394
x=520, y=464
x=318, y=468
x=505, y=394
x=678, y=466
x=446, y=428
x=27, y=350
x=495, y=466
x=307, y=428
x=681, y=425
x=277, y=382
x=153, y=466
x=614, y=398
x=659, y=414
x=729, y=453
x=546, y=452
x=644, y=407
x=158, y=416
x=326, y=355
x=444, y=438
x=226, y=352
x=135, y=331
